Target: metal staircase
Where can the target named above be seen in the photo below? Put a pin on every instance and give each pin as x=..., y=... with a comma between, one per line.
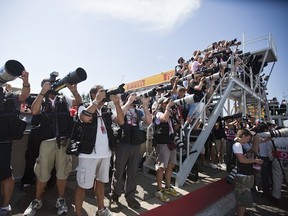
x=232, y=87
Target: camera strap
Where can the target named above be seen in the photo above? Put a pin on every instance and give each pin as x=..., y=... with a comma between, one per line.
x=58, y=140
x=102, y=125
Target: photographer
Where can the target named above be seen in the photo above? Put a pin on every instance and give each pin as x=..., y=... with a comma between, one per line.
x=55, y=124
x=165, y=148
x=9, y=106
x=95, y=152
x=199, y=88
x=182, y=69
x=127, y=152
x=244, y=179
x=266, y=168
x=278, y=154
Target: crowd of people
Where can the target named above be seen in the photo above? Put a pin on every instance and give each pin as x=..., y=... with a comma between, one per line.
x=230, y=144
x=277, y=108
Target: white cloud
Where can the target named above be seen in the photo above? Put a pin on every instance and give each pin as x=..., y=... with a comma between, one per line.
x=152, y=14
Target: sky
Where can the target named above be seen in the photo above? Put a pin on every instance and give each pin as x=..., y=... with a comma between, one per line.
x=120, y=41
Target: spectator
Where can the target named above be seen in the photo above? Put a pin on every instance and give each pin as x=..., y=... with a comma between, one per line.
x=55, y=125
x=244, y=178
x=165, y=149
x=182, y=69
x=8, y=87
x=94, y=159
x=196, y=87
x=197, y=63
x=6, y=177
x=266, y=167
x=127, y=153
x=230, y=131
x=277, y=153
x=274, y=106
x=219, y=149
x=283, y=108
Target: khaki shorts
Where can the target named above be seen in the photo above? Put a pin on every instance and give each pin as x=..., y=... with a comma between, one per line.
x=90, y=169
x=51, y=155
x=164, y=156
x=243, y=194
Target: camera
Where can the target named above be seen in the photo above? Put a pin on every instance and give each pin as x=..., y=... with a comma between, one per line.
x=283, y=132
x=10, y=71
x=231, y=176
x=186, y=100
x=119, y=90
x=233, y=42
x=178, y=142
x=150, y=93
x=73, y=77
x=214, y=69
x=213, y=76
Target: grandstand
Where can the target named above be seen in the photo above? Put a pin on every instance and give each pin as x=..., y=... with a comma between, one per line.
x=241, y=86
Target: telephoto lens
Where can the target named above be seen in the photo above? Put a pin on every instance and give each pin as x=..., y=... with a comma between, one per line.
x=178, y=142
x=231, y=176
x=186, y=100
x=283, y=132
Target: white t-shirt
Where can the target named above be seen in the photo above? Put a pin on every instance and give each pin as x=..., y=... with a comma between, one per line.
x=101, y=149
x=237, y=148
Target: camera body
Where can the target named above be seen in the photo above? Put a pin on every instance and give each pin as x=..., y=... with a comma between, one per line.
x=119, y=90
x=150, y=93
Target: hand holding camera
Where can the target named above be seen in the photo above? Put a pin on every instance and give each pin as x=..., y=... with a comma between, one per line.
x=25, y=77
x=115, y=99
x=45, y=88
x=72, y=88
x=131, y=98
x=100, y=95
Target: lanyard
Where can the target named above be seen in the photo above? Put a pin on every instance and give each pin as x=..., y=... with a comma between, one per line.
x=102, y=126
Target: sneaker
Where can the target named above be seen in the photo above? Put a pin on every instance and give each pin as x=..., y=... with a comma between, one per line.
x=6, y=212
x=223, y=166
x=161, y=195
x=134, y=204
x=33, y=207
x=114, y=198
x=171, y=191
x=104, y=212
x=61, y=206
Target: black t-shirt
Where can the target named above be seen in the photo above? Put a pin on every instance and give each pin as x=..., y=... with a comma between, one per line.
x=199, y=94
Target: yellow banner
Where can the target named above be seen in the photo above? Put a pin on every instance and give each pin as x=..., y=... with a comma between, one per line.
x=150, y=81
